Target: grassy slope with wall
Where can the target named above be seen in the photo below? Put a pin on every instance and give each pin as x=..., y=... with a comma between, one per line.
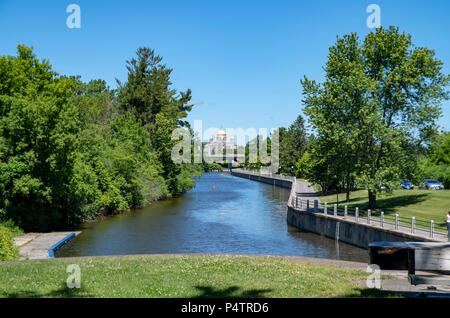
x=423, y=204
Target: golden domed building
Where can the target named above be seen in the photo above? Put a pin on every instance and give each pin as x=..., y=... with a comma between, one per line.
x=217, y=150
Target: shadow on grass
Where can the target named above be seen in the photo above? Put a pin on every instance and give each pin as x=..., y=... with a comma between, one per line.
x=388, y=204
x=62, y=292
x=372, y=293
x=344, y=202
x=211, y=292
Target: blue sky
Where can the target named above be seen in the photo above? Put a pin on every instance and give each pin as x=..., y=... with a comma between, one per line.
x=242, y=59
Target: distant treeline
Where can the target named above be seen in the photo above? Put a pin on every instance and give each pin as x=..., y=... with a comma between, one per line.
x=71, y=151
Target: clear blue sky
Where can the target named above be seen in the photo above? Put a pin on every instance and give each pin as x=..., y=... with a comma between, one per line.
x=242, y=59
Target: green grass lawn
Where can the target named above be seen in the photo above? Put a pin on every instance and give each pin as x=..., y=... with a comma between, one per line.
x=182, y=276
x=423, y=204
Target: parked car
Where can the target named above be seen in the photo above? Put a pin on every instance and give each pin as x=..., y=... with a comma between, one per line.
x=406, y=184
x=383, y=186
x=431, y=184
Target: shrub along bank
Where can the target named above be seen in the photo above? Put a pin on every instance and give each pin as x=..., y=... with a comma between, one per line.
x=7, y=249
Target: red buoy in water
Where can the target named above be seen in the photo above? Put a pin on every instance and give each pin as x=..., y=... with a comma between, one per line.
x=214, y=186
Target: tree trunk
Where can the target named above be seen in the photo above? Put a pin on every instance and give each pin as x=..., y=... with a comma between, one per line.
x=372, y=200
x=347, y=190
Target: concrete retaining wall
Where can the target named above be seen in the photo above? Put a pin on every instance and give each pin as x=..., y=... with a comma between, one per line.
x=269, y=180
x=358, y=234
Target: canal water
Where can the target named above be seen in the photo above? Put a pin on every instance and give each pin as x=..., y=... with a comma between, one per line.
x=222, y=214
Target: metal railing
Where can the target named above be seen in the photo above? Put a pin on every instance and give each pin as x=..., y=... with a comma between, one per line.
x=381, y=219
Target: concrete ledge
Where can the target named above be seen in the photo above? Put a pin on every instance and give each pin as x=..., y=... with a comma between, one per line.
x=54, y=247
x=42, y=245
x=430, y=279
x=280, y=182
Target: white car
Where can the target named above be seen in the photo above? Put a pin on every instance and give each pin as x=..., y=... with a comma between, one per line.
x=431, y=184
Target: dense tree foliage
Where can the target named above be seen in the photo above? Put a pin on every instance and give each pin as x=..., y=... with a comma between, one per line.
x=258, y=152
x=440, y=150
x=251, y=152
x=38, y=132
x=437, y=164
x=8, y=251
x=213, y=167
x=293, y=142
x=148, y=95
x=71, y=150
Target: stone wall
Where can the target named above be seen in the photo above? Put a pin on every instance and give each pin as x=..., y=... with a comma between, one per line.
x=284, y=183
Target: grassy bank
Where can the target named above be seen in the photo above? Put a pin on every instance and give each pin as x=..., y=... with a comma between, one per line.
x=423, y=204
x=181, y=276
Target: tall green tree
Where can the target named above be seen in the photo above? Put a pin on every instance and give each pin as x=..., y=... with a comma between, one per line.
x=148, y=92
x=148, y=95
x=379, y=99
x=293, y=143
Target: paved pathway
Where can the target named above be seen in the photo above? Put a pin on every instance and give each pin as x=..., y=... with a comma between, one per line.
x=303, y=187
x=305, y=191
x=403, y=287
x=36, y=245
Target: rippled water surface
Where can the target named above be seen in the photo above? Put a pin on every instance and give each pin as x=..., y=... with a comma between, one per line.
x=239, y=216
